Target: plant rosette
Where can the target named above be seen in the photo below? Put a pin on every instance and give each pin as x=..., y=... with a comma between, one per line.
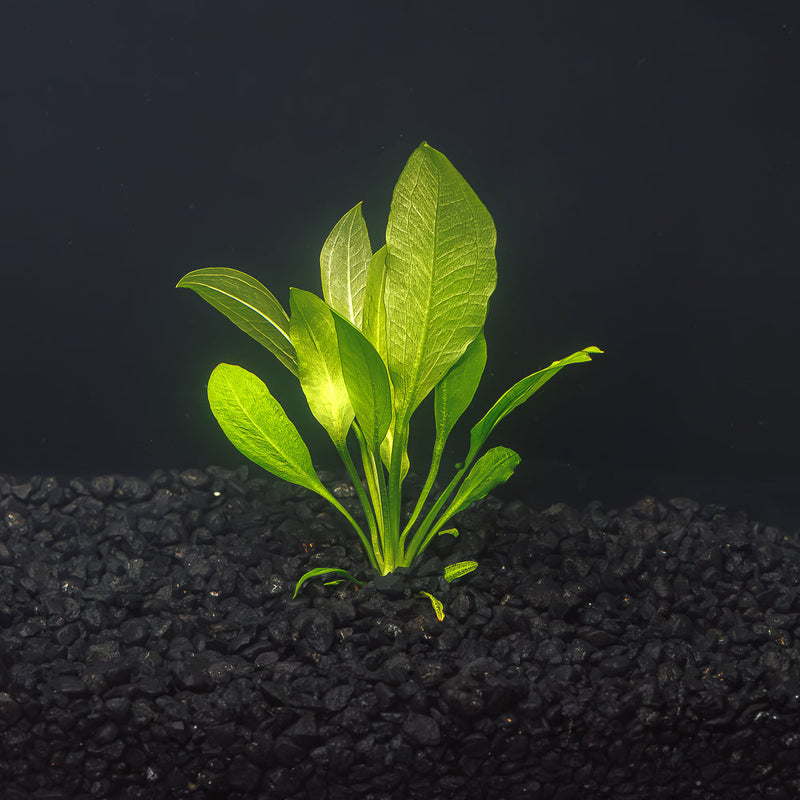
x=391, y=327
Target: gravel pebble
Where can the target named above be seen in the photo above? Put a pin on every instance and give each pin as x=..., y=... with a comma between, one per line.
x=150, y=647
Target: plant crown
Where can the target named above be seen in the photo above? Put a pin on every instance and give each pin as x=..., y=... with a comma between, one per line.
x=391, y=327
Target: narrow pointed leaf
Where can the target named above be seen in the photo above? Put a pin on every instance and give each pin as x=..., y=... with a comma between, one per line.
x=518, y=394
x=490, y=470
x=367, y=382
x=313, y=573
x=314, y=338
x=373, y=323
x=249, y=305
x=258, y=427
x=440, y=272
x=455, y=391
x=343, y=261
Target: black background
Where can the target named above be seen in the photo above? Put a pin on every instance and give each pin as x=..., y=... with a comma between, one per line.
x=639, y=159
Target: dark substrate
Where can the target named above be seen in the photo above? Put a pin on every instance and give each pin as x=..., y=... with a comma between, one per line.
x=150, y=648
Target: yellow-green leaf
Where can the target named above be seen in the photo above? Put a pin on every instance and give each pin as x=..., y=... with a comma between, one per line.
x=343, y=262
x=438, y=608
x=314, y=338
x=258, y=427
x=249, y=305
x=440, y=272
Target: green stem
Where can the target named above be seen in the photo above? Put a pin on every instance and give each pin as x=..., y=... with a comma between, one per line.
x=399, y=440
x=377, y=492
x=426, y=489
x=420, y=539
x=344, y=453
x=346, y=514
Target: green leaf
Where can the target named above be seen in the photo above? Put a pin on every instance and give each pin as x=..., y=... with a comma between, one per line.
x=249, y=305
x=313, y=573
x=440, y=272
x=374, y=318
x=438, y=608
x=455, y=390
x=367, y=382
x=258, y=427
x=518, y=394
x=490, y=470
x=314, y=338
x=454, y=571
x=343, y=262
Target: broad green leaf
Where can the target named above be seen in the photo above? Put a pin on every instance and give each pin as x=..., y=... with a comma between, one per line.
x=374, y=319
x=440, y=272
x=490, y=470
x=258, y=427
x=455, y=391
x=343, y=262
x=249, y=305
x=454, y=571
x=367, y=382
x=313, y=573
x=314, y=338
x=518, y=394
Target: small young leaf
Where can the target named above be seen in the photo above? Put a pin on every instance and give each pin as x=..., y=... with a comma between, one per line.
x=343, y=264
x=517, y=395
x=491, y=469
x=313, y=573
x=258, y=427
x=438, y=608
x=249, y=305
x=367, y=382
x=454, y=571
x=314, y=338
x=450, y=532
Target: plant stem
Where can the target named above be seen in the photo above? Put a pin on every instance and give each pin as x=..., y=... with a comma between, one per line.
x=346, y=514
x=399, y=441
x=421, y=536
x=362, y=496
x=426, y=489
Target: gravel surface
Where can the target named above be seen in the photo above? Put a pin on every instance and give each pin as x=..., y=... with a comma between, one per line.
x=150, y=648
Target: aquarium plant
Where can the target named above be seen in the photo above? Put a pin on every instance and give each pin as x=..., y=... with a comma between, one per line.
x=391, y=327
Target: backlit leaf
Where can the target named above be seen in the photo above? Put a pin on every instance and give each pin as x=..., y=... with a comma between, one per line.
x=258, y=427
x=249, y=305
x=343, y=261
x=367, y=382
x=440, y=272
x=314, y=338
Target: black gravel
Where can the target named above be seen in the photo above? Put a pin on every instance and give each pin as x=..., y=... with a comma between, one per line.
x=150, y=648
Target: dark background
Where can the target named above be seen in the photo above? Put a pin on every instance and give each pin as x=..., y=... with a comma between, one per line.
x=639, y=159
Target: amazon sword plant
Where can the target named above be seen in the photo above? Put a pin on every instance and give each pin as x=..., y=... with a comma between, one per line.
x=391, y=327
